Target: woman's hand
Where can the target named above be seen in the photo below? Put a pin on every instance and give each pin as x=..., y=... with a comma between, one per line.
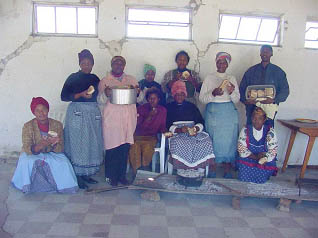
x=183, y=129
x=83, y=94
x=250, y=101
x=108, y=91
x=230, y=88
x=138, y=90
x=217, y=92
x=54, y=140
x=267, y=101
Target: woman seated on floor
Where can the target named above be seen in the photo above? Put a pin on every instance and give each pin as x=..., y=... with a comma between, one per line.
x=257, y=147
x=190, y=148
x=42, y=166
x=151, y=120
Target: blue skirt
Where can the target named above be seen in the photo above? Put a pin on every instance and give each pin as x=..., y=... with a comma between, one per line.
x=45, y=172
x=221, y=122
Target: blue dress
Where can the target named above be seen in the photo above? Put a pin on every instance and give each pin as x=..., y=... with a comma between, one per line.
x=250, y=170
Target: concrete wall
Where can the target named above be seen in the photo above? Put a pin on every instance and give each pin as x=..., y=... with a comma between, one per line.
x=38, y=66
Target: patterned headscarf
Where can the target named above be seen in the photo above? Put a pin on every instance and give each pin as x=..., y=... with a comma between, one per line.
x=39, y=100
x=148, y=67
x=85, y=54
x=118, y=57
x=223, y=55
x=178, y=87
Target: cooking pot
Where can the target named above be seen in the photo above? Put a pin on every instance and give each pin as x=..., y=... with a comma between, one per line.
x=123, y=95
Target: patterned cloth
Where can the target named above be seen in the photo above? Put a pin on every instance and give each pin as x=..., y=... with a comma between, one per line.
x=83, y=137
x=221, y=122
x=45, y=172
x=249, y=169
x=191, y=151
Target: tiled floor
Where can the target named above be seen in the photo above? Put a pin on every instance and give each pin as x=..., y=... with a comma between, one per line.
x=123, y=213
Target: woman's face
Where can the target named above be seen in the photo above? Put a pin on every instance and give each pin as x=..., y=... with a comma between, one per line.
x=221, y=65
x=258, y=120
x=86, y=65
x=41, y=113
x=179, y=97
x=118, y=66
x=150, y=75
x=182, y=61
x=153, y=100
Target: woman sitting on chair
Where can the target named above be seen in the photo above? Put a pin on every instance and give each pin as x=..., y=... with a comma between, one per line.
x=190, y=148
x=42, y=166
x=257, y=147
x=151, y=120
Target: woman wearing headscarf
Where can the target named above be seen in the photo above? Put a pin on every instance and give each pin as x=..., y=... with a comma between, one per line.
x=191, y=149
x=220, y=92
x=83, y=128
x=119, y=123
x=42, y=166
x=257, y=147
x=190, y=77
x=151, y=121
x=149, y=82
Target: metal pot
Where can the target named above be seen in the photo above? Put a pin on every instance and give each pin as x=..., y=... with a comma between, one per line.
x=123, y=96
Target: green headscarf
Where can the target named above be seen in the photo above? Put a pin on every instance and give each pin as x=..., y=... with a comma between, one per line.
x=148, y=67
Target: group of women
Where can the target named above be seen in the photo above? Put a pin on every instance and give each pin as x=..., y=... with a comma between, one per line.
x=94, y=124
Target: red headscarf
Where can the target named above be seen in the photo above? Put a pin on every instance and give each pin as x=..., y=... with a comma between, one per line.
x=39, y=100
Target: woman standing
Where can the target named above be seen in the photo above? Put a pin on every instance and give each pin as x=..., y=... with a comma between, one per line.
x=119, y=123
x=83, y=129
x=220, y=91
x=42, y=166
x=190, y=77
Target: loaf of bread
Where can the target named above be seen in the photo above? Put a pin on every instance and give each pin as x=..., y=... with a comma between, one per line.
x=269, y=92
x=253, y=93
x=260, y=93
x=224, y=84
x=185, y=74
x=90, y=90
x=52, y=133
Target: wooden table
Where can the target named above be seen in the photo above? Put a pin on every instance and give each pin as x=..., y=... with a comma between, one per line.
x=310, y=129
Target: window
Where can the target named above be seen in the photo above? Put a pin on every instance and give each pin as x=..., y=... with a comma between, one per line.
x=311, y=36
x=158, y=23
x=70, y=20
x=249, y=29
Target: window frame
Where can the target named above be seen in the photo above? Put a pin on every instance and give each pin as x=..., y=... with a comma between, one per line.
x=159, y=8
x=71, y=5
x=307, y=21
x=279, y=32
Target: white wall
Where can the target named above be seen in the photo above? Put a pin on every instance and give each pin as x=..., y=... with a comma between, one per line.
x=38, y=66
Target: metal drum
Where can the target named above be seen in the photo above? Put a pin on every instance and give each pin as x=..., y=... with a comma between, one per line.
x=123, y=96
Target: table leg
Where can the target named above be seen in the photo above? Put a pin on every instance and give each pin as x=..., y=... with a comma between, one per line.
x=310, y=144
x=289, y=148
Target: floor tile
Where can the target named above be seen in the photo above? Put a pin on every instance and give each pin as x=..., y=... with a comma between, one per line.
x=127, y=209
x=69, y=217
x=182, y=232
x=153, y=232
x=207, y=221
x=43, y=216
x=178, y=211
x=259, y=222
x=180, y=221
x=233, y=222
x=264, y=232
x=125, y=220
x=64, y=229
x=101, y=209
x=35, y=228
x=120, y=231
x=97, y=219
x=284, y=222
x=94, y=230
x=234, y=232
x=153, y=220
x=294, y=233
x=205, y=232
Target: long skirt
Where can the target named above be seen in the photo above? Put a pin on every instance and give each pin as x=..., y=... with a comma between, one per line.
x=83, y=139
x=45, y=172
x=221, y=122
x=191, y=151
x=250, y=170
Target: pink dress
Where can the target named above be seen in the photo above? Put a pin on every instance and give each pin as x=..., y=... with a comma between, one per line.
x=118, y=121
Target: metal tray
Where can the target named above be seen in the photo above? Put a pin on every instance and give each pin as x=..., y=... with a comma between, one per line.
x=257, y=89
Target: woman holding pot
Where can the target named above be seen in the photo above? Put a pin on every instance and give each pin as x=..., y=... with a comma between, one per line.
x=119, y=122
